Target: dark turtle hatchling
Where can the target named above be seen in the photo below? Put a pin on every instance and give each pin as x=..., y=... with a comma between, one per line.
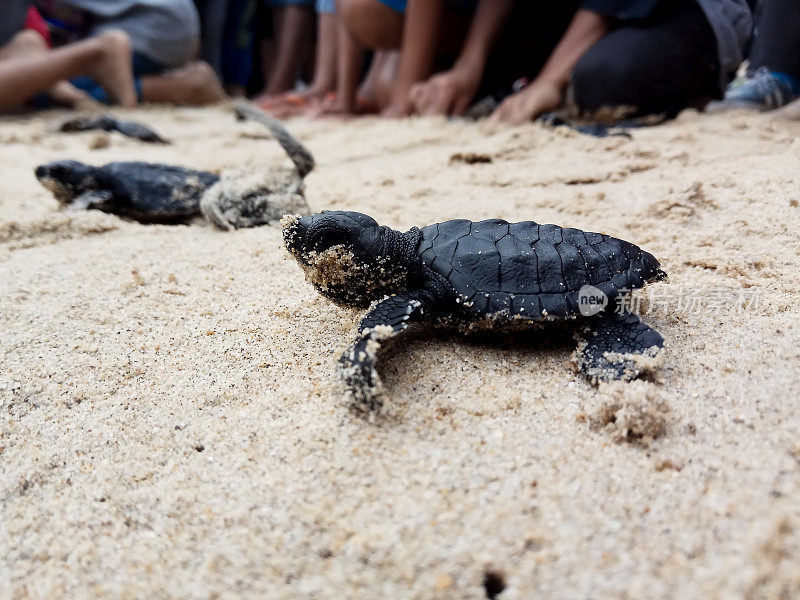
x=131, y=129
x=156, y=193
x=490, y=274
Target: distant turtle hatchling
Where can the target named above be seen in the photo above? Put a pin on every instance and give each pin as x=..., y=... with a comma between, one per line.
x=130, y=129
x=486, y=275
x=156, y=193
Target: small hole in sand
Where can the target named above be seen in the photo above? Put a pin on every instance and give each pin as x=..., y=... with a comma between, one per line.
x=199, y=447
x=493, y=583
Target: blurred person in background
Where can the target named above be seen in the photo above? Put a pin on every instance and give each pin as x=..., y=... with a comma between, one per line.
x=323, y=81
x=452, y=52
x=630, y=58
x=772, y=78
x=288, y=25
x=621, y=57
x=29, y=67
x=165, y=38
x=227, y=34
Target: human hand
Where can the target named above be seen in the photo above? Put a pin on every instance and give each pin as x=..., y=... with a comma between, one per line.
x=529, y=103
x=446, y=93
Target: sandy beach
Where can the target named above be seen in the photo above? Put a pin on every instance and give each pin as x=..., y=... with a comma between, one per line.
x=172, y=426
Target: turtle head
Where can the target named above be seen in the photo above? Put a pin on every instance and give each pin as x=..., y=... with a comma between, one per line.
x=66, y=179
x=347, y=256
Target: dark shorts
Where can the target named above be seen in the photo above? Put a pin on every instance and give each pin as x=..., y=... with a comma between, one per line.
x=237, y=43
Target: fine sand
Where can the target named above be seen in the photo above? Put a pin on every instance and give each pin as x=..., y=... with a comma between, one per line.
x=172, y=426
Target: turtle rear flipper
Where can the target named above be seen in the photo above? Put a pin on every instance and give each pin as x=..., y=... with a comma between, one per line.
x=616, y=346
x=386, y=320
x=250, y=199
x=210, y=207
x=299, y=154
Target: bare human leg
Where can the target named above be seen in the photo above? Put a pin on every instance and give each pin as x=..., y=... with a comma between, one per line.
x=419, y=33
x=372, y=24
x=29, y=43
x=324, y=80
x=377, y=85
x=350, y=58
x=106, y=58
x=292, y=32
x=375, y=89
x=360, y=24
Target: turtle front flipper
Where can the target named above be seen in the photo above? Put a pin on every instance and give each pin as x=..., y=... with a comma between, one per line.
x=616, y=346
x=357, y=365
x=91, y=199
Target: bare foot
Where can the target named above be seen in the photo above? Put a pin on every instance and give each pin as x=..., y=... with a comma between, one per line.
x=297, y=97
x=332, y=108
x=790, y=112
x=316, y=93
x=113, y=70
x=265, y=99
x=67, y=94
x=292, y=104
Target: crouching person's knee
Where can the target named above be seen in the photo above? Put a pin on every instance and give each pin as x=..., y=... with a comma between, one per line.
x=373, y=24
x=200, y=75
x=202, y=84
x=28, y=40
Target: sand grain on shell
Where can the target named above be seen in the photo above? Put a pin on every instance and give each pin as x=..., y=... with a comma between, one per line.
x=172, y=427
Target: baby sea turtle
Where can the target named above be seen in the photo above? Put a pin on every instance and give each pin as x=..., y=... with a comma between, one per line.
x=156, y=193
x=486, y=275
x=131, y=129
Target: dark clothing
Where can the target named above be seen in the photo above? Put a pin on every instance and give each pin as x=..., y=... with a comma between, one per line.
x=532, y=30
x=657, y=65
x=731, y=23
x=621, y=10
x=238, y=40
x=212, y=30
x=166, y=31
x=12, y=18
x=777, y=41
